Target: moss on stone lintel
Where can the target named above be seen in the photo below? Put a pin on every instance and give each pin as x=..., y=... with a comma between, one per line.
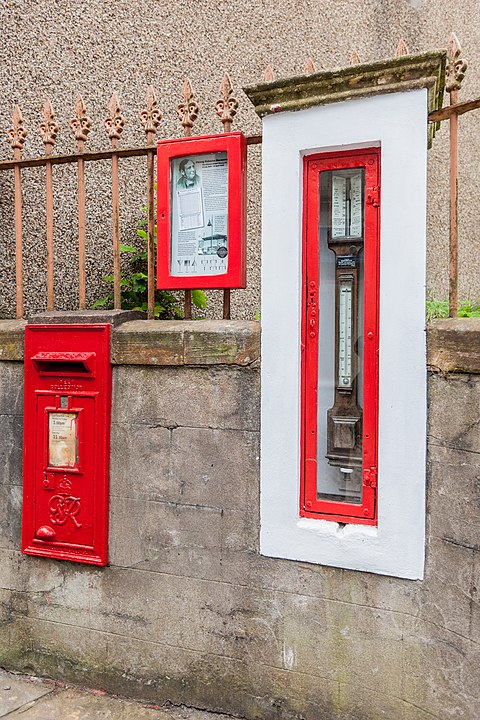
x=407, y=72
x=11, y=339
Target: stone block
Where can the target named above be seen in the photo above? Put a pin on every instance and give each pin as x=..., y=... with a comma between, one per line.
x=11, y=388
x=216, y=467
x=372, y=702
x=186, y=465
x=453, y=494
x=10, y=516
x=143, y=530
x=344, y=642
x=66, y=651
x=475, y=597
x=438, y=671
x=140, y=461
x=73, y=317
x=171, y=397
x=457, y=398
x=148, y=342
x=172, y=611
x=454, y=345
x=446, y=597
x=209, y=342
x=217, y=342
x=11, y=447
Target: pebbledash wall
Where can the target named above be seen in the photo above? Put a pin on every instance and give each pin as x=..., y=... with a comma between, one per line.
x=188, y=611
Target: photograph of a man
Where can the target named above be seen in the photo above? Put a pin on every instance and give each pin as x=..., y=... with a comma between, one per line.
x=188, y=175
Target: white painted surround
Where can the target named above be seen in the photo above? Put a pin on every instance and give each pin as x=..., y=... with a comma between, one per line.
x=396, y=122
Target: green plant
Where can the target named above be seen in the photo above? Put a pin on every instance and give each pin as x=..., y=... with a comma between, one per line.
x=439, y=308
x=134, y=285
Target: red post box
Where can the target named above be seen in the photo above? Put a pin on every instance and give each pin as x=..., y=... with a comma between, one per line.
x=66, y=450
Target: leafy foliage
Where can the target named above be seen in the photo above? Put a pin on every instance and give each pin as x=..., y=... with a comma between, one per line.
x=439, y=309
x=134, y=284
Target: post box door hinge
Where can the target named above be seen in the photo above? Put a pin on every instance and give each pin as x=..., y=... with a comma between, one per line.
x=370, y=477
x=373, y=196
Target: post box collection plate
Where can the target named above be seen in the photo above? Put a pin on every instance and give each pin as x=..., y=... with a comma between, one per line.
x=67, y=442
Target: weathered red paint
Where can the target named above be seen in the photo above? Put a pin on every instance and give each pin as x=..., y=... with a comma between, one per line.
x=235, y=145
x=310, y=505
x=65, y=501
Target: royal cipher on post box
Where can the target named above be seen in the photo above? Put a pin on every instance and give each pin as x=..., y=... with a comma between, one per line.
x=66, y=442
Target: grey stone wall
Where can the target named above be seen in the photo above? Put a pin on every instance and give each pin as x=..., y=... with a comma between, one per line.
x=125, y=46
x=188, y=612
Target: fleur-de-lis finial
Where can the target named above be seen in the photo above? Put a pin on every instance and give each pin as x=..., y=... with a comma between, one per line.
x=456, y=66
x=188, y=109
x=151, y=116
x=115, y=123
x=48, y=128
x=268, y=75
x=226, y=107
x=81, y=124
x=355, y=58
x=17, y=133
x=309, y=66
x=402, y=48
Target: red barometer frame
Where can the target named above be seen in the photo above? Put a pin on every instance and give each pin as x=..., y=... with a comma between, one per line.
x=234, y=144
x=310, y=505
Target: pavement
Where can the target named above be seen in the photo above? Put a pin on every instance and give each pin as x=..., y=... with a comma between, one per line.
x=30, y=698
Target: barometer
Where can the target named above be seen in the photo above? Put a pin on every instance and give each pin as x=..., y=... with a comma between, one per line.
x=340, y=333
x=345, y=239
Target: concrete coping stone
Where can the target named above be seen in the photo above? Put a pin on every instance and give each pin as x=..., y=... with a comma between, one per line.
x=453, y=344
x=74, y=317
x=399, y=74
x=163, y=342
x=407, y=72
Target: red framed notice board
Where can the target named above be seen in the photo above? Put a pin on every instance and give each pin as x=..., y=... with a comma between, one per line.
x=201, y=212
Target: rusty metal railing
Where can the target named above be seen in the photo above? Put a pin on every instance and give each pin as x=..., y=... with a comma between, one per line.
x=80, y=126
x=150, y=118
x=455, y=72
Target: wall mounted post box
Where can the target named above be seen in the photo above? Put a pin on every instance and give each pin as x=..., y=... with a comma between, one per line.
x=66, y=451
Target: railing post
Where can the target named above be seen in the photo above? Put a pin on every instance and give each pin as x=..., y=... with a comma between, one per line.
x=226, y=109
x=80, y=126
x=49, y=130
x=150, y=119
x=16, y=136
x=456, y=68
x=187, y=112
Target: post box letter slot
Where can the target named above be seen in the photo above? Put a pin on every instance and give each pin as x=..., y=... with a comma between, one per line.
x=64, y=363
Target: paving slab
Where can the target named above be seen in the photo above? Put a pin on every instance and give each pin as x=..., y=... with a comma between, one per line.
x=17, y=692
x=29, y=698
x=74, y=705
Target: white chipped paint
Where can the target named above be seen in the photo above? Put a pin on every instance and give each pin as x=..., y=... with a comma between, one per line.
x=397, y=123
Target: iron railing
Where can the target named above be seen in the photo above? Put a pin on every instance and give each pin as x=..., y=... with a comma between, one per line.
x=150, y=118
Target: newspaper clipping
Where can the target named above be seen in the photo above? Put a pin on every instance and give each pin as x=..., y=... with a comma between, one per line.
x=199, y=220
